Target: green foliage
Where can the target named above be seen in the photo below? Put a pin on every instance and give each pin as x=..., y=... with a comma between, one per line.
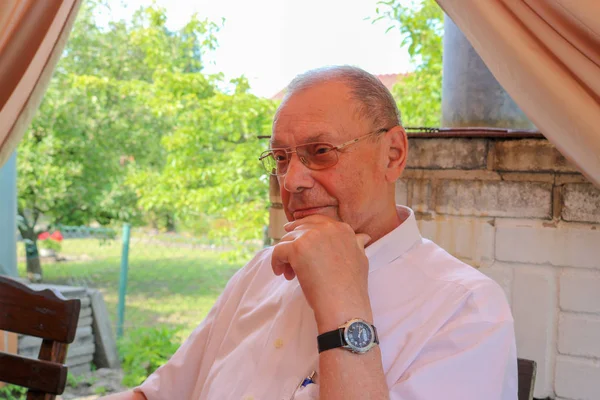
x=74, y=381
x=131, y=129
x=50, y=245
x=13, y=392
x=419, y=94
x=143, y=350
x=100, y=390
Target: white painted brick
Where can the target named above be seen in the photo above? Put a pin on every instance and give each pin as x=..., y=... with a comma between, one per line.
x=577, y=378
x=494, y=198
x=536, y=242
x=579, y=335
x=503, y=275
x=401, y=192
x=464, y=237
x=534, y=308
x=580, y=291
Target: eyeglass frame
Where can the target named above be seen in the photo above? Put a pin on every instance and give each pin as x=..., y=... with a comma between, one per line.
x=289, y=151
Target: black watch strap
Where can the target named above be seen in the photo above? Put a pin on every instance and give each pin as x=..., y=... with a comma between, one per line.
x=331, y=340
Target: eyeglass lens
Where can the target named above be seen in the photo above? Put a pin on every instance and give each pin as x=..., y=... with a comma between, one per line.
x=314, y=155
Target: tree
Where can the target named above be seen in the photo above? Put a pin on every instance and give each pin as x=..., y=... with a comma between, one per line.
x=212, y=169
x=130, y=129
x=96, y=117
x=419, y=94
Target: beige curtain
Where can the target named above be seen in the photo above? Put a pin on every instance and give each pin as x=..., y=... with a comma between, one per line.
x=33, y=34
x=546, y=55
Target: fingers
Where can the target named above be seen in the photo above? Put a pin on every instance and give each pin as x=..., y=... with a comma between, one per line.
x=362, y=239
x=280, y=257
x=289, y=273
x=316, y=218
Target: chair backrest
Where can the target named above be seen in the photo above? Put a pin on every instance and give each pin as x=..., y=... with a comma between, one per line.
x=527, y=370
x=45, y=314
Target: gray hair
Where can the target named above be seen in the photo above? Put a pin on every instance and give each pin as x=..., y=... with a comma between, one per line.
x=373, y=99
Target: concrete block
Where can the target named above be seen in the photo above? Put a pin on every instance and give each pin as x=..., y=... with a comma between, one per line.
x=29, y=342
x=536, y=242
x=561, y=179
x=579, y=335
x=420, y=198
x=466, y=238
x=503, y=274
x=495, y=198
x=527, y=177
x=577, y=378
x=402, y=191
x=69, y=292
x=105, y=355
x=85, y=321
x=534, y=309
x=447, y=153
x=451, y=174
x=81, y=369
x=82, y=332
x=277, y=219
x=79, y=360
x=580, y=291
x=581, y=203
x=537, y=155
x=77, y=351
x=85, y=304
x=85, y=312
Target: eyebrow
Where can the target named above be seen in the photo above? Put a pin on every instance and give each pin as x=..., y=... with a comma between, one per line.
x=317, y=137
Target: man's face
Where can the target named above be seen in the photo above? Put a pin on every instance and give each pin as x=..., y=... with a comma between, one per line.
x=352, y=191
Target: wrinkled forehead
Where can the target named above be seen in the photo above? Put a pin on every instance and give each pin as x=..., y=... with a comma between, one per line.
x=292, y=130
x=315, y=115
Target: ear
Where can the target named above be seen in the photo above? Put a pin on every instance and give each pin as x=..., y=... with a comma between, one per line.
x=397, y=152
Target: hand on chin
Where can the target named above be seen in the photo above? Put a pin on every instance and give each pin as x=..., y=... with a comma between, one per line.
x=328, y=258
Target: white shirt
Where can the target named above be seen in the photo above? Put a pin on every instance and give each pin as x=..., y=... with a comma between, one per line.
x=445, y=331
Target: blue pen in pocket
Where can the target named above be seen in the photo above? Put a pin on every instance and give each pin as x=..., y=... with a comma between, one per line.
x=304, y=383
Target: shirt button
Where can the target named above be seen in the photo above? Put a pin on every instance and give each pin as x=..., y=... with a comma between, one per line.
x=278, y=343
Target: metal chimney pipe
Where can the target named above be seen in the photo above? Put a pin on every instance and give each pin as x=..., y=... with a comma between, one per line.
x=471, y=96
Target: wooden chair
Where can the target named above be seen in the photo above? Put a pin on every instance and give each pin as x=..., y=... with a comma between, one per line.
x=527, y=370
x=45, y=314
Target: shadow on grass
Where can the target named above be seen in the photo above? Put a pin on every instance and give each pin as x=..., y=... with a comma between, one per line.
x=176, y=287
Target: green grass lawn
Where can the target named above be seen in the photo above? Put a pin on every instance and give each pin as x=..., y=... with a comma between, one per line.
x=166, y=285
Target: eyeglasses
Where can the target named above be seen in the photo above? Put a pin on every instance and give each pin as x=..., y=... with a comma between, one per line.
x=316, y=155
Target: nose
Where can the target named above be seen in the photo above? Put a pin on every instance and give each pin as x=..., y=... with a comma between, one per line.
x=298, y=176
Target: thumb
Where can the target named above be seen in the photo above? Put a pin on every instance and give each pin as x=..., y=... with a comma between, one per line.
x=362, y=239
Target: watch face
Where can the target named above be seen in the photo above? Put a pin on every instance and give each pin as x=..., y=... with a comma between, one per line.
x=359, y=335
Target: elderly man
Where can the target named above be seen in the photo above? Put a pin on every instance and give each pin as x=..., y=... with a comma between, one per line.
x=352, y=303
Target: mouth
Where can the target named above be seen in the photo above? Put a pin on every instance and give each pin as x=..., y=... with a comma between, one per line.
x=305, y=212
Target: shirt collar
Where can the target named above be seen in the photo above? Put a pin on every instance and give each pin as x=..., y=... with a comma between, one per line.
x=395, y=243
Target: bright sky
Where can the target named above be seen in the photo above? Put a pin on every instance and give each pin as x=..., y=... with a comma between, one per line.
x=271, y=41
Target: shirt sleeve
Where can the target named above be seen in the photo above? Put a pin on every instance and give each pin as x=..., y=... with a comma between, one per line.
x=180, y=375
x=472, y=357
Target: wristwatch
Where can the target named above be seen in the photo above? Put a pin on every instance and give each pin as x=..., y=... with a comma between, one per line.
x=356, y=335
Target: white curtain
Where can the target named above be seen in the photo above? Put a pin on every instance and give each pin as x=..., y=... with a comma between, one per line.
x=546, y=55
x=33, y=34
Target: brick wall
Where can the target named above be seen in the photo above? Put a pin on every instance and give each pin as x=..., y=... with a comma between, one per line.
x=516, y=209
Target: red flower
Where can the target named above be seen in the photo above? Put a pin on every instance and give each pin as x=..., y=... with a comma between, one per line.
x=57, y=236
x=43, y=236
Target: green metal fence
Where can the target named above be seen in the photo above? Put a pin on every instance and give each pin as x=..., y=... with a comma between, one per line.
x=147, y=277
